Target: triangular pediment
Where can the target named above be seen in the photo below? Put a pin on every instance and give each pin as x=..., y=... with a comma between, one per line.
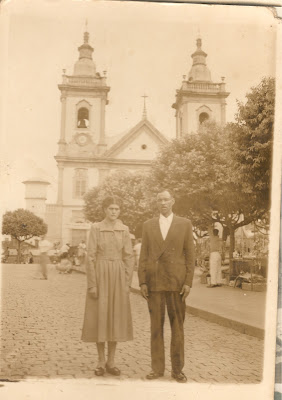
x=142, y=142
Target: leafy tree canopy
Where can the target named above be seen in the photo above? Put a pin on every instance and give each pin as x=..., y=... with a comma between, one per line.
x=252, y=139
x=23, y=225
x=200, y=171
x=129, y=188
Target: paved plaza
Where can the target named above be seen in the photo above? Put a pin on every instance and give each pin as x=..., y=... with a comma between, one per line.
x=41, y=328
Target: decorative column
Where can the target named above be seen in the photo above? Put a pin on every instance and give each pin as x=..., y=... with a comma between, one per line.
x=60, y=185
x=102, y=141
x=62, y=141
x=223, y=104
x=177, y=125
x=223, y=112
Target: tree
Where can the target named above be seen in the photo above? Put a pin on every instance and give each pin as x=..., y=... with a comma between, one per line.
x=223, y=174
x=129, y=188
x=200, y=170
x=22, y=225
x=252, y=138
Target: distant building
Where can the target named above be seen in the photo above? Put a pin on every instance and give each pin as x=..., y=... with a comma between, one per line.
x=86, y=155
x=36, y=195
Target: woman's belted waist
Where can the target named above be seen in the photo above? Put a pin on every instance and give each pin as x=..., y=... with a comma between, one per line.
x=109, y=258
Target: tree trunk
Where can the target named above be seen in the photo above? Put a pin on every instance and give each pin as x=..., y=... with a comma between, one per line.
x=231, y=247
x=19, y=253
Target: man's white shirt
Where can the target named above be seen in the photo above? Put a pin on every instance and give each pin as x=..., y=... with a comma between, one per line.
x=165, y=223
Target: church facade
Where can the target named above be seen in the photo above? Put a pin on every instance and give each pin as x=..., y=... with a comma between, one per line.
x=86, y=155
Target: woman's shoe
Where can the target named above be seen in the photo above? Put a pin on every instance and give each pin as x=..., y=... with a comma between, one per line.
x=211, y=286
x=99, y=371
x=113, y=371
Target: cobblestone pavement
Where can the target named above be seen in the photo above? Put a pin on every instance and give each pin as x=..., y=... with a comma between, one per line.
x=41, y=328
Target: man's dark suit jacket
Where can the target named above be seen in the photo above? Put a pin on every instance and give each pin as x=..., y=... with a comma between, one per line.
x=166, y=265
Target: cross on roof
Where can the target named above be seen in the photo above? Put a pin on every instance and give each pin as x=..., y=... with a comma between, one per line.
x=144, y=109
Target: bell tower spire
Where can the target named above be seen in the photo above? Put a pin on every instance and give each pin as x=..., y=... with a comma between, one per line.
x=199, y=98
x=199, y=70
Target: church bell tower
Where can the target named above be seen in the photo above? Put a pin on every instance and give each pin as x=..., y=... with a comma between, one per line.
x=84, y=96
x=199, y=98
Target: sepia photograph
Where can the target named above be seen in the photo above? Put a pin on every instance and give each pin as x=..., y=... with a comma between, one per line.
x=140, y=176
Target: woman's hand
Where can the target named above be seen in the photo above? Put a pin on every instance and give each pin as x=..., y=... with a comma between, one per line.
x=127, y=288
x=93, y=292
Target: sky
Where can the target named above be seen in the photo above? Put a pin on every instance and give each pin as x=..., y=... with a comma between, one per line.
x=144, y=47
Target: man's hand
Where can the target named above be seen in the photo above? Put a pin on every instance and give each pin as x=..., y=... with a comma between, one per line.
x=144, y=291
x=93, y=292
x=184, y=292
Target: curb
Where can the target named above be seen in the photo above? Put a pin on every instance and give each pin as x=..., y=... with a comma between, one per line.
x=223, y=321
x=215, y=318
x=227, y=322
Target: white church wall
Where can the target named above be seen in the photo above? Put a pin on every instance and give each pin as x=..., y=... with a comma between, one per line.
x=192, y=113
x=93, y=177
x=68, y=189
x=143, y=147
x=66, y=231
x=68, y=192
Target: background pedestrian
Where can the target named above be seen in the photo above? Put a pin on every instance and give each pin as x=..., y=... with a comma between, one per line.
x=215, y=257
x=44, y=246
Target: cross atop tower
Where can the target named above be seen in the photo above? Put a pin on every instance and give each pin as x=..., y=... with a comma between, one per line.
x=144, y=115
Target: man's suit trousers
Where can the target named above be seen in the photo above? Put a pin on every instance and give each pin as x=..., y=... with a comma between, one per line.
x=176, y=313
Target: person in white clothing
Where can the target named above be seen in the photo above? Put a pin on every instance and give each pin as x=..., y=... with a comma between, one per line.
x=215, y=258
x=81, y=252
x=44, y=247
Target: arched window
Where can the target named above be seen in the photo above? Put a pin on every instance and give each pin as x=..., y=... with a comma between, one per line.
x=80, y=183
x=203, y=117
x=83, y=117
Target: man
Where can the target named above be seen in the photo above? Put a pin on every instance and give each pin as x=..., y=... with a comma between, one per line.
x=215, y=257
x=166, y=269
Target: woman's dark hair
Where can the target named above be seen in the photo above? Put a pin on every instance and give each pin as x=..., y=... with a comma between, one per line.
x=111, y=200
x=215, y=232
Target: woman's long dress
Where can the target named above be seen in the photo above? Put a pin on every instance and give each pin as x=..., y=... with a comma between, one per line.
x=109, y=267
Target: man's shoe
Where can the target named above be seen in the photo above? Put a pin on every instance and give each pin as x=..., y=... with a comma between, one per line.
x=153, y=375
x=179, y=377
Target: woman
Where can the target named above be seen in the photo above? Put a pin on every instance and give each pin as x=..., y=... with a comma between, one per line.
x=109, y=268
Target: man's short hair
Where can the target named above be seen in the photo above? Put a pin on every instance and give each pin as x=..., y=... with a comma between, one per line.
x=166, y=190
